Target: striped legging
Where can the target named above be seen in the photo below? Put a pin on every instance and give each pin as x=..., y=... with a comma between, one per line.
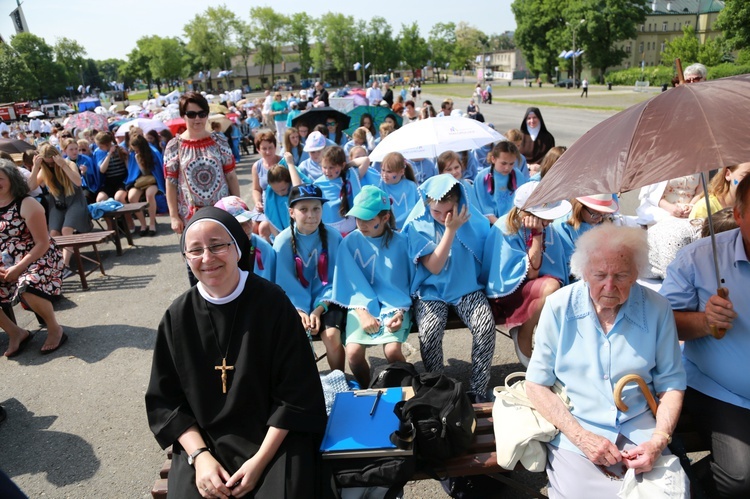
x=474, y=310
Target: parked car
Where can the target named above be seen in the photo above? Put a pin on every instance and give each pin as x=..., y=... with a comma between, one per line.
x=57, y=110
x=568, y=83
x=282, y=85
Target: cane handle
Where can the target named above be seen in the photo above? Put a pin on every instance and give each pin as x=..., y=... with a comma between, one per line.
x=717, y=332
x=644, y=388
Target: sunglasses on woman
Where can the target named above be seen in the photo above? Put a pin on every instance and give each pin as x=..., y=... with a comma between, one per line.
x=595, y=215
x=196, y=114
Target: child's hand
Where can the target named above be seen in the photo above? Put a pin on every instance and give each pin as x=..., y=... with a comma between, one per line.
x=369, y=323
x=315, y=321
x=259, y=206
x=455, y=222
x=395, y=322
x=305, y=321
x=532, y=223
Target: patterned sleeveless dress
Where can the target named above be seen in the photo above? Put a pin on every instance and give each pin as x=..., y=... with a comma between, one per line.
x=43, y=277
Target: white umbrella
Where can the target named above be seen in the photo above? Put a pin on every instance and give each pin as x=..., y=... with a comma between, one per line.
x=35, y=114
x=167, y=114
x=113, y=108
x=133, y=108
x=144, y=124
x=431, y=137
x=101, y=110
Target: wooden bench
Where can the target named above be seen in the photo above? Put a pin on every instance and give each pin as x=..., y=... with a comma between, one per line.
x=117, y=222
x=479, y=459
x=78, y=241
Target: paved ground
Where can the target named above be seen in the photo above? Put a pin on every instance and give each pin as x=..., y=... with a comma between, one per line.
x=76, y=422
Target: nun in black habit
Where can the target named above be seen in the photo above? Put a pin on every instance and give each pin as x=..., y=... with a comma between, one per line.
x=536, y=138
x=234, y=387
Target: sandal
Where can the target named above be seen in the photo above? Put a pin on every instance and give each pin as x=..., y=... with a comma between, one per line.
x=62, y=341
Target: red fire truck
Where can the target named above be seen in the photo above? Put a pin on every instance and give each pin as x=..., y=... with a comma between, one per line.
x=15, y=111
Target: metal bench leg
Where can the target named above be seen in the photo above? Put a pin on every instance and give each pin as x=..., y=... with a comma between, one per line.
x=126, y=230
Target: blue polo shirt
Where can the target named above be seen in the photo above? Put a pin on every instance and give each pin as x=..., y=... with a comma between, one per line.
x=571, y=346
x=717, y=368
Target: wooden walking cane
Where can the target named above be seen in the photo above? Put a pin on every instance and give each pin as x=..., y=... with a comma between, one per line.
x=644, y=388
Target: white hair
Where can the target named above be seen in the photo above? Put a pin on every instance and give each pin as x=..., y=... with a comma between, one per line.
x=610, y=237
x=696, y=69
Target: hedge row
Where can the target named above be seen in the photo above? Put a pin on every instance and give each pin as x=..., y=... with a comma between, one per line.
x=659, y=75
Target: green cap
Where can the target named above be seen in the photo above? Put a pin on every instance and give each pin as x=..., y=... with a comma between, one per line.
x=369, y=202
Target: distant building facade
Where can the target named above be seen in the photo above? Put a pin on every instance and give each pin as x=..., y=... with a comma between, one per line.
x=664, y=23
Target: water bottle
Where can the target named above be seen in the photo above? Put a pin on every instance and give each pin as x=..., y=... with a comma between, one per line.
x=8, y=260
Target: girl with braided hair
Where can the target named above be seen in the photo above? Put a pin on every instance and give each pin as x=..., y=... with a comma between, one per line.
x=306, y=252
x=340, y=183
x=495, y=185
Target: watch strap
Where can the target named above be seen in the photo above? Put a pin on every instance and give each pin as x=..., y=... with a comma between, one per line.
x=196, y=453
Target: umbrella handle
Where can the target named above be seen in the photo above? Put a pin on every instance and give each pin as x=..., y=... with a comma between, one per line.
x=644, y=388
x=717, y=332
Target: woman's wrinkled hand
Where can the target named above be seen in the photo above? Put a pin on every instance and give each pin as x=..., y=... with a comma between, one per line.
x=598, y=449
x=642, y=457
x=210, y=477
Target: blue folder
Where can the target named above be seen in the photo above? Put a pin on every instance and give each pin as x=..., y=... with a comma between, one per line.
x=351, y=430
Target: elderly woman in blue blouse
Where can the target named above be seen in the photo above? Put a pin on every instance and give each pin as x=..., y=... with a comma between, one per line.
x=524, y=262
x=446, y=240
x=591, y=334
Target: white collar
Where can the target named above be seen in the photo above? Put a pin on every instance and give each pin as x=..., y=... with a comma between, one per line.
x=230, y=297
x=533, y=132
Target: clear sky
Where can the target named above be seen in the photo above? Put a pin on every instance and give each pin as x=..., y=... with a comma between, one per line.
x=110, y=29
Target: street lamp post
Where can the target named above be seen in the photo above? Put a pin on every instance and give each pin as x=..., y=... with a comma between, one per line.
x=363, y=65
x=574, y=26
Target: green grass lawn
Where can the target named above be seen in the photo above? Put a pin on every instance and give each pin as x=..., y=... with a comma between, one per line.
x=599, y=97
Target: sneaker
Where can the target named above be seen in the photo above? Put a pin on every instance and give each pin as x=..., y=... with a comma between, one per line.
x=67, y=273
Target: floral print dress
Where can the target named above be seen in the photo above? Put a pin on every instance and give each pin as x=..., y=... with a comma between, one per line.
x=198, y=168
x=43, y=277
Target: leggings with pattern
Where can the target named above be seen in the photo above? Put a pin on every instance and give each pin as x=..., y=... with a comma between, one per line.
x=474, y=310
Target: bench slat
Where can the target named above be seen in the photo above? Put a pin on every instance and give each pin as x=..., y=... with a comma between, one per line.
x=159, y=491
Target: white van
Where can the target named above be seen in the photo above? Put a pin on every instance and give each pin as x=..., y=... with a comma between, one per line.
x=57, y=110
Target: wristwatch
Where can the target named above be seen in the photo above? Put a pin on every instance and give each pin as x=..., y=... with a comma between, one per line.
x=191, y=457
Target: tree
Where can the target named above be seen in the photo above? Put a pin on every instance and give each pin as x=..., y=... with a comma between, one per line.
x=712, y=52
x=337, y=43
x=48, y=76
x=16, y=81
x=414, y=50
x=110, y=69
x=70, y=54
x=211, y=39
x=734, y=22
x=165, y=58
x=244, y=44
x=503, y=41
x=606, y=23
x=442, y=42
x=300, y=29
x=685, y=48
x=381, y=49
x=540, y=32
x=268, y=27
x=469, y=42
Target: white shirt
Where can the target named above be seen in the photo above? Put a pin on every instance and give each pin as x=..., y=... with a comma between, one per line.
x=374, y=96
x=4, y=127
x=267, y=105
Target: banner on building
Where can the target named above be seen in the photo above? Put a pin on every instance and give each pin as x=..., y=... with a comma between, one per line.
x=19, y=21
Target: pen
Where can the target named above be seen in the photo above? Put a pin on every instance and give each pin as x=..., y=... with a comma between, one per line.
x=375, y=404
